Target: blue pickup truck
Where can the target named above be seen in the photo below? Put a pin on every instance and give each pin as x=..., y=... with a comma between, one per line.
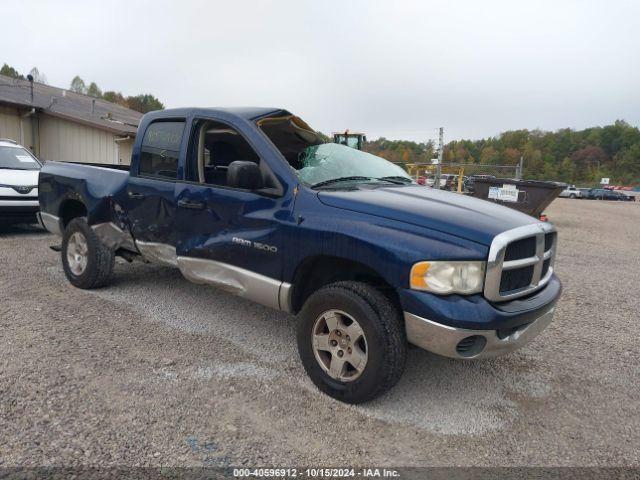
x=254, y=201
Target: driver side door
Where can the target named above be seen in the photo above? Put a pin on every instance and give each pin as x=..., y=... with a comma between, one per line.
x=226, y=236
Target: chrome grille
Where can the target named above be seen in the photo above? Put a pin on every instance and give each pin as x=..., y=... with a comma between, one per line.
x=512, y=280
x=520, y=249
x=520, y=261
x=549, y=240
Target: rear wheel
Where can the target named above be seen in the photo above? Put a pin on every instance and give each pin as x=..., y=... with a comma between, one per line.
x=86, y=261
x=351, y=341
x=573, y=195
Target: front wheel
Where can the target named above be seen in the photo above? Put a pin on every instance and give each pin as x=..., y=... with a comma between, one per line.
x=86, y=261
x=351, y=341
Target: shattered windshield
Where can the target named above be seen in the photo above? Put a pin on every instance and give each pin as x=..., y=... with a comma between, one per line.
x=329, y=162
x=320, y=164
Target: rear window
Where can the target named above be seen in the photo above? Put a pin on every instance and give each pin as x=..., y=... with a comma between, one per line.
x=160, y=149
x=17, y=158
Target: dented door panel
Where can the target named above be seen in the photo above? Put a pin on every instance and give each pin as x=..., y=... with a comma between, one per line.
x=234, y=227
x=151, y=208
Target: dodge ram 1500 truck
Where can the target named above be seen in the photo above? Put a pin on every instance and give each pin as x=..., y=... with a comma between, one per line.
x=252, y=200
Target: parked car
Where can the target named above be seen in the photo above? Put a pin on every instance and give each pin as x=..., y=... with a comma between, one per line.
x=606, y=194
x=19, y=171
x=253, y=201
x=571, y=192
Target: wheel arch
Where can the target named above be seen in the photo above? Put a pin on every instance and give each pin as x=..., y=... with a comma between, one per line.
x=70, y=209
x=316, y=271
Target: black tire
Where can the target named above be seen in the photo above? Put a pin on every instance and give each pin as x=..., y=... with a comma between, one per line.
x=384, y=331
x=100, y=259
x=573, y=195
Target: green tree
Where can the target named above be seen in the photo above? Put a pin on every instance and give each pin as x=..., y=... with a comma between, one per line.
x=10, y=72
x=489, y=156
x=144, y=103
x=511, y=156
x=37, y=75
x=627, y=164
x=94, y=91
x=115, y=97
x=567, y=170
x=78, y=85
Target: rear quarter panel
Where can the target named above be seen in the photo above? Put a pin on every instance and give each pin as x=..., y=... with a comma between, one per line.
x=95, y=187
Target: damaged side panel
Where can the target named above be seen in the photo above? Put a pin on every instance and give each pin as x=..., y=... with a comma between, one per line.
x=151, y=209
x=95, y=195
x=114, y=237
x=236, y=280
x=159, y=253
x=233, y=227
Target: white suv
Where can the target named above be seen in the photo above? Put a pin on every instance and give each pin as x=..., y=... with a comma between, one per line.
x=19, y=171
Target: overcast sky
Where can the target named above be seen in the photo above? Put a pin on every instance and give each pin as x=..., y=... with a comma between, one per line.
x=398, y=69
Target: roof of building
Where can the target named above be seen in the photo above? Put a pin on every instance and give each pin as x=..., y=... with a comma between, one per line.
x=69, y=105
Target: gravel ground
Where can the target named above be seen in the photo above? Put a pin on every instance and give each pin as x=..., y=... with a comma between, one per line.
x=154, y=370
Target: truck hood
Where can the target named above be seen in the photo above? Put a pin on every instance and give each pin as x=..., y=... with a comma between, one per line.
x=27, y=178
x=466, y=217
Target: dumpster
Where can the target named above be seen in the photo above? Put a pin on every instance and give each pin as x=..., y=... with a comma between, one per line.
x=528, y=196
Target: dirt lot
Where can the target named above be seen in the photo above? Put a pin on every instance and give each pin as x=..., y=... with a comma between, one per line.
x=154, y=370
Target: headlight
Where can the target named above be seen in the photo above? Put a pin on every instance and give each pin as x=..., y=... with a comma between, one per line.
x=448, y=277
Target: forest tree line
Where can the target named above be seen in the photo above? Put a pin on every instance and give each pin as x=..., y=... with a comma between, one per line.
x=580, y=157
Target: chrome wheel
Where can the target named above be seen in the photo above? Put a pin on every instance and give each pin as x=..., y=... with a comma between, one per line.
x=77, y=253
x=339, y=345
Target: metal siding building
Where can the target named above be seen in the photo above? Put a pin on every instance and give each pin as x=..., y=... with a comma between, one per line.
x=58, y=124
x=13, y=126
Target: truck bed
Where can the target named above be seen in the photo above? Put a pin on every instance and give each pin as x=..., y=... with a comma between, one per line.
x=91, y=185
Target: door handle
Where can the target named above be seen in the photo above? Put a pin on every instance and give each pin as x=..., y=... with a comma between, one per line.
x=191, y=205
x=135, y=194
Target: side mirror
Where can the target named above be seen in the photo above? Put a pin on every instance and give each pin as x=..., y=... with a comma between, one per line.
x=245, y=175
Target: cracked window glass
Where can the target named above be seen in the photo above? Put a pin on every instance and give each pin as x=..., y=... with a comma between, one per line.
x=332, y=161
x=318, y=163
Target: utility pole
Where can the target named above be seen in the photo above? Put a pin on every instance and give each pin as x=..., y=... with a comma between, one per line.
x=520, y=168
x=436, y=183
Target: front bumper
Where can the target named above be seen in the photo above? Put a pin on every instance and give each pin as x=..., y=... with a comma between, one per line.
x=471, y=344
x=472, y=327
x=18, y=210
x=19, y=205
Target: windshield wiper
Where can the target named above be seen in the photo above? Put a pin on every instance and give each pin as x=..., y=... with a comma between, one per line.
x=398, y=179
x=338, y=180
